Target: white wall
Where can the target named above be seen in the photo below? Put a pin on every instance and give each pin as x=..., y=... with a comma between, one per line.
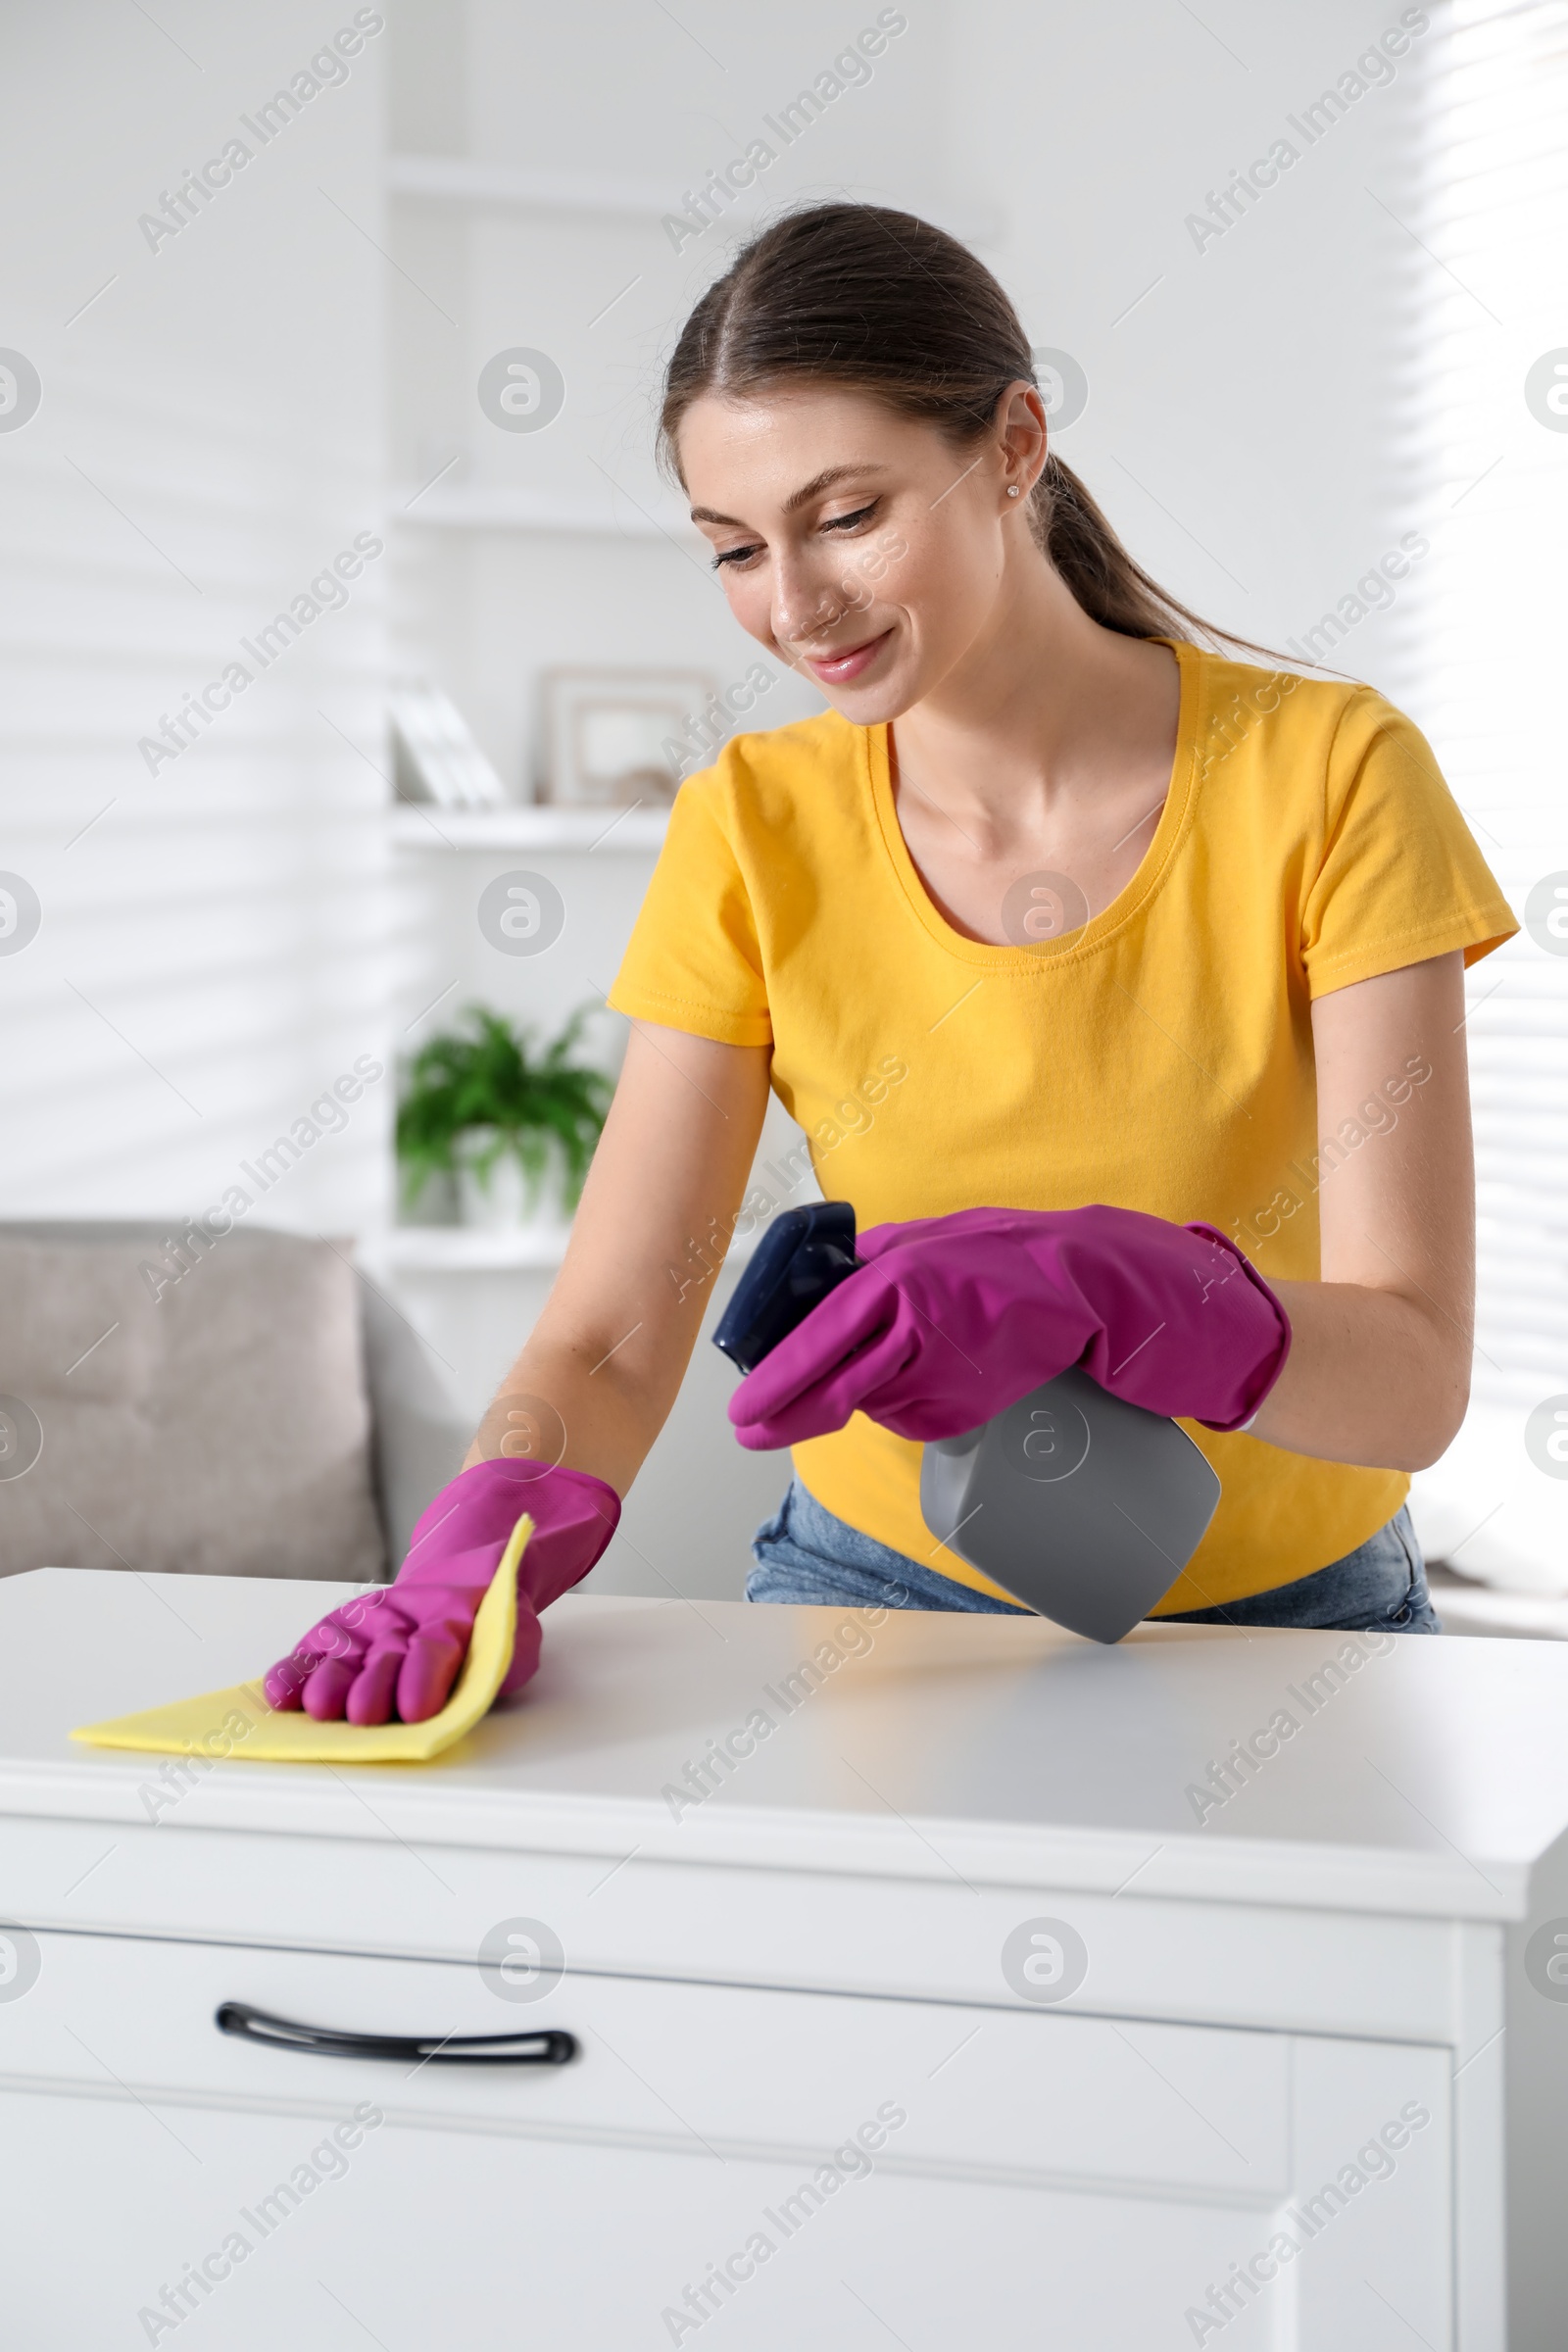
x=211, y=952
x=1239, y=427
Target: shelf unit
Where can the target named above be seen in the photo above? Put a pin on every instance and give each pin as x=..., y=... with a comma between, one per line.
x=454, y=180
x=504, y=188
x=476, y=1250
x=594, y=508
x=415, y=827
x=478, y=507
x=473, y=1249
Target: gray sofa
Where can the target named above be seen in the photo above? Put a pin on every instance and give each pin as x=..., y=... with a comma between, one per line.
x=248, y=1405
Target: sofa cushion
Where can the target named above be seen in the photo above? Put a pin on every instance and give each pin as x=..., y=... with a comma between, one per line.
x=221, y=1427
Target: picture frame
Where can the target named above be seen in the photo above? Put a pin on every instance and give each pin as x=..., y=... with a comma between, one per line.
x=612, y=738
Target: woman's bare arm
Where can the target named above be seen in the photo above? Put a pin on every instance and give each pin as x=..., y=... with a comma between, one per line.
x=600, y=1368
x=1379, y=1371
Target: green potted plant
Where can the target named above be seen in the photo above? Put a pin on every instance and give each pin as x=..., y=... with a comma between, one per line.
x=511, y=1127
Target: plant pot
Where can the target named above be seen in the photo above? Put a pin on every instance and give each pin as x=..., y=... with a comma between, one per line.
x=436, y=1205
x=497, y=1201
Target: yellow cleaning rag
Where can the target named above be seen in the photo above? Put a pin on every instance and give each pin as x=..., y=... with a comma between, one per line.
x=238, y=1722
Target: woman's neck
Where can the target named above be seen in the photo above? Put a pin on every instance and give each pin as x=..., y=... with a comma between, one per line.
x=1046, y=721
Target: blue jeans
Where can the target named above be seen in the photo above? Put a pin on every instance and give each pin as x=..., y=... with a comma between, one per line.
x=804, y=1553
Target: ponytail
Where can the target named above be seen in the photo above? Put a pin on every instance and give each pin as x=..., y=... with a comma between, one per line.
x=1105, y=580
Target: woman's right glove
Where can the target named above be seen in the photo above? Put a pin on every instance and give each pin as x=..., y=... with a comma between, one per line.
x=397, y=1650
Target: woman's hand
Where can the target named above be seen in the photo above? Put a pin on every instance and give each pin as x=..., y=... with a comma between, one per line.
x=584, y=1402
x=954, y=1318
x=397, y=1651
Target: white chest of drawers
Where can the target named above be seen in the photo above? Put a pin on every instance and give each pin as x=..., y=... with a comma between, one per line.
x=925, y=1986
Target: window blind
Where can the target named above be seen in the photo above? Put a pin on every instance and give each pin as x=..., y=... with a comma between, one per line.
x=1488, y=417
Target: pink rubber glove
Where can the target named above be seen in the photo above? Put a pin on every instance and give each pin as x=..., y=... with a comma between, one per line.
x=398, y=1650
x=952, y=1319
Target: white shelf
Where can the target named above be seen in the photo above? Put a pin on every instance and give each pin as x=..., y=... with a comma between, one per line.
x=504, y=188
x=459, y=180
x=477, y=508
x=413, y=826
x=473, y=1249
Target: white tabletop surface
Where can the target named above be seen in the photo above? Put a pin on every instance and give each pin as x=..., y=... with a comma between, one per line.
x=995, y=1749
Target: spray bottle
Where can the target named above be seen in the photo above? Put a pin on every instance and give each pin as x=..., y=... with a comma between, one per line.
x=1080, y=1506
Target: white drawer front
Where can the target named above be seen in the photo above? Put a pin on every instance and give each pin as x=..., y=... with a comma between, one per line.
x=688, y=2065
x=829, y=2166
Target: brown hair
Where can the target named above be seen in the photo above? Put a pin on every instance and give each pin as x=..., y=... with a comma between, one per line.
x=879, y=302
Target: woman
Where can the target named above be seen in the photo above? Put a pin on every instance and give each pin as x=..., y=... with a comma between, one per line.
x=1116, y=983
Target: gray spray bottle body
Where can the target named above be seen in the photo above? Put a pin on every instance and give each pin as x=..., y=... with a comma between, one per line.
x=1079, y=1505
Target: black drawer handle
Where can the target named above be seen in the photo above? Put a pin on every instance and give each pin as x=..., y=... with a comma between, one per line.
x=547, y=2048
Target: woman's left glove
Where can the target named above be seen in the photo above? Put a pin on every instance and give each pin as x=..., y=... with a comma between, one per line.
x=952, y=1319
x=395, y=1652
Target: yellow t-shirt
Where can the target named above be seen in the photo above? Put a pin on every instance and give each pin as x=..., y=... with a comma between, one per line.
x=1159, y=1058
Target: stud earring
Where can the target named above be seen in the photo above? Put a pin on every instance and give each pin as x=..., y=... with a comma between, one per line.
x=1013, y=489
